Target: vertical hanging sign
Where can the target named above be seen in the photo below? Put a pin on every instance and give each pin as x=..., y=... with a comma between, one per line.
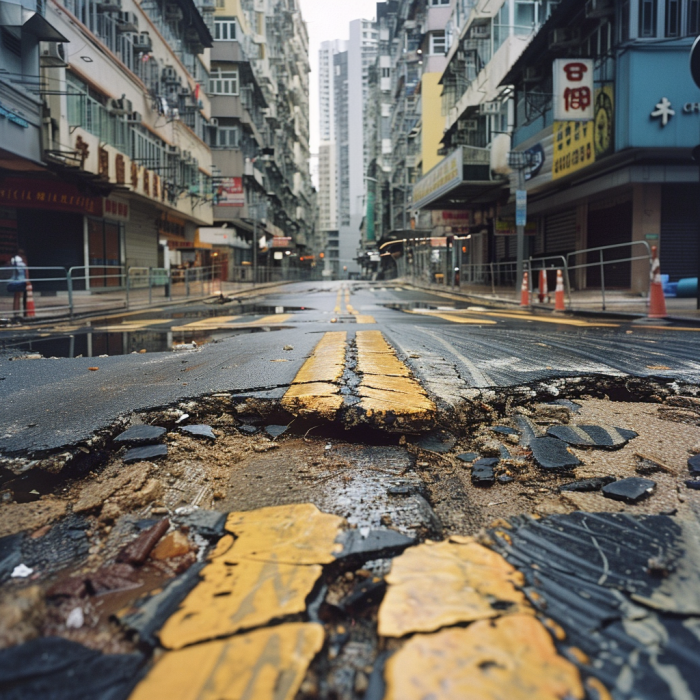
x=520, y=207
x=573, y=89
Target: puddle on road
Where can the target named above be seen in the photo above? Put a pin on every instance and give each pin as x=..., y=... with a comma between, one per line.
x=90, y=341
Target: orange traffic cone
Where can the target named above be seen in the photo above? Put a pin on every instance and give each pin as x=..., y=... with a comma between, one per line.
x=30, y=310
x=525, y=291
x=544, y=290
x=657, y=302
x=559, y=302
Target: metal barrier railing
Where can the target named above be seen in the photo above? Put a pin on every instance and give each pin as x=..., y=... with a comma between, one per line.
x=558, y=262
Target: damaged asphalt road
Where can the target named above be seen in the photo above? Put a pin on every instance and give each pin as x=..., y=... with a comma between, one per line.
x=367, y=504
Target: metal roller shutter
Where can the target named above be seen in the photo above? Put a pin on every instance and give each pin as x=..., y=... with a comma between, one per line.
x=142, y=236
x=680, y=236
x=560, y=232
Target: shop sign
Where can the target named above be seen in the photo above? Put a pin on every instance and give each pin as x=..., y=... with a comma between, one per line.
x=438, y=241
x=46, y=194
x=580, y=144
x=13, y=118
x=520, y=207
x=446, y=175
x=281, y=241
x=573, y=89
x=115, y=209
x=178, y=245
x=228, y=192
x=169, y=225
x=507, y=227
x=459, y=219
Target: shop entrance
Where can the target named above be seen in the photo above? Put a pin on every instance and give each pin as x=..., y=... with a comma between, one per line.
x=610, y=225
x=104, y=254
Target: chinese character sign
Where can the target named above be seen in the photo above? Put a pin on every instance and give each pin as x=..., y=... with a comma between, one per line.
x=573, y=89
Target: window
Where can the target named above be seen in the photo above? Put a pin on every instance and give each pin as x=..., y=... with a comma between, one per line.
x=386, y=72
x=223, y=82
x=436, y=3
x=693, y=17
x=673, y=18
x=225, y=29
x=227, y=137
x=647, y=18
x=524, y=17
x=438, y=45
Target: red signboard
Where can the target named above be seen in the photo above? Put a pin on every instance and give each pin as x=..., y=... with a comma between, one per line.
x=281, y=241
x=47, y=194
x=229, y=192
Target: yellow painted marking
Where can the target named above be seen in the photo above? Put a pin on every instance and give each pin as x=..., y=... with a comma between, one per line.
x=294, y=534
x=441, y=584
x=386, y=384
x=315, y=388
x=350, y=309
x=463, y=319
x=268, y=663
x=206, y=323
x=362, y=318
x=338, y=301
x=128, y=326
x=267, y=573
x=668, y=328
x=271, y=320
x=545, y=319
x=513, y=657
x=233, y=598
x=347, y=296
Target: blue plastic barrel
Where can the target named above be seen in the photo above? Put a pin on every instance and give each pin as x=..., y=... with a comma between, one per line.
x=687, y=288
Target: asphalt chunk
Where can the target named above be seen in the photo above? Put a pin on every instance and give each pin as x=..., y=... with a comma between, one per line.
x=482, y=471
x=374, y=544
x=141, y=454
x=586, y=485
x=694, y=465
x=592, y=435
x=439, y=441
x=630, y=490
x=468, y=456
x=551, y=453
x=203, y=431
x=141, y=435
x=274, y=431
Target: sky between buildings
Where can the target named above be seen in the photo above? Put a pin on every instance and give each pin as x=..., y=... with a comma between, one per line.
x=328, y=20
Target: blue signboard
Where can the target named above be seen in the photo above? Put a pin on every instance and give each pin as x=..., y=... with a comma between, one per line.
x=520, y=207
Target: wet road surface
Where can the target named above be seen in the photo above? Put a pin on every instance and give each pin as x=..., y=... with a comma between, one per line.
x=384, y=494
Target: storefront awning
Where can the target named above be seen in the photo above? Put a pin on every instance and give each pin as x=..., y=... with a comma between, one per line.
x=462, y=179
x=13, y=16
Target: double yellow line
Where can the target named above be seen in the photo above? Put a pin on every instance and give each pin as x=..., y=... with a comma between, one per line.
x=338, y=309
x=386, y=385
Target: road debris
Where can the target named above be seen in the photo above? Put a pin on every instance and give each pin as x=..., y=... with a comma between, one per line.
x=141, y=454
x=630, y=490
x=552, y=453
x=141, y=435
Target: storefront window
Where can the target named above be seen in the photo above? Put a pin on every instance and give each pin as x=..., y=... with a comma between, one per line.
x=104, y=246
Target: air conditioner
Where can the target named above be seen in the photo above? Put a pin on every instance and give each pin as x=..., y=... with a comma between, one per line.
x=468, y=125
x=170, y=75
x=109, y=6
x=207, y=5
x=561, y=38
x=53, y=55
x=173, y=13
x=187, y=156
x=599, y=8
x=184, y=91
x=174, y=150
x=120, y=107
x=214, y=122
x=490, y=108
x=142, y=42
x=127, y=22
x=134, y=118
x=480, y=31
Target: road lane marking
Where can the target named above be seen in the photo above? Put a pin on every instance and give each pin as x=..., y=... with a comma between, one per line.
x=481, y=379
x=386, y=384
x=225, y=322
x=315, y=388
x=463, y=319
x=266, y=663
x=364, y=318
x=338, y=302
x=204, y=323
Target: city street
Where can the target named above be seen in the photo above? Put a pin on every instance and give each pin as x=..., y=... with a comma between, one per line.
x=350, y=490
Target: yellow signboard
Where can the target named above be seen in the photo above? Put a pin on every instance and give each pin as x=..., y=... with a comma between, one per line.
x=579, y=144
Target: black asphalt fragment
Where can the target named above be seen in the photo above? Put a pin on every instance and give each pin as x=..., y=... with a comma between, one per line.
x=584, y=485
x=482, y=471
x=439, y=441
x=592, y=435
x=204, y=431
x=372, y=544
x=141, y=435
x=631, y=490
x=274, y=431
x=139, y=454
x=468, y=456
x=694, y=465
x=550, y=453
x=504, y=430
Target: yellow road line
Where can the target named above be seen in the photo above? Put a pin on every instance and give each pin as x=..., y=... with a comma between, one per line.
x=668, y=328
x=271, y=320
x=338, y=301
x=315, y=388
x=363, y=318
x=207, y=323
x=545, y=319
x=463, y=319
x=386, y=385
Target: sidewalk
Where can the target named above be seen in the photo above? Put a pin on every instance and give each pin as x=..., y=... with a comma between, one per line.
x=589, y=302
x=57, y=305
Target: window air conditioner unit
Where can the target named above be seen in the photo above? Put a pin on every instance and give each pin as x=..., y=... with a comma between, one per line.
x=561, y=38
x=142, y=42
x=170, y=75
x=184, y=91
x=468, y=125
x=490, y=108
x=213, y=122
x=120, y=107
x=53, y=54
x=134, y=118
x=480, y=31
x=174, y=150
x=173, y=13
x=599, y=8
x=127, y=22
x=109, y=6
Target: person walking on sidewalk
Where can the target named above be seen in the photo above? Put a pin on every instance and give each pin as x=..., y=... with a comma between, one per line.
x=18, y=282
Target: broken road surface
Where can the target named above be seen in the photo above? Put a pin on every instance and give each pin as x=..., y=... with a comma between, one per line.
x=375, y=493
